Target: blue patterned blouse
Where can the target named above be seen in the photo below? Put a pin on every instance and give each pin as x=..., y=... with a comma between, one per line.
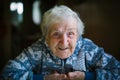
x=38, y=59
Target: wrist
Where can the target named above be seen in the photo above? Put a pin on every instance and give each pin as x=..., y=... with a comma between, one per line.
x=80, y=75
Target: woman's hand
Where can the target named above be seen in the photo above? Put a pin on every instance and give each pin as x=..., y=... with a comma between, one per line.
x=56, y=76
x=77, y=75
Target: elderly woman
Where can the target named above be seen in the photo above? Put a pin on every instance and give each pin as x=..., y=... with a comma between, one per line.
x=62, y=53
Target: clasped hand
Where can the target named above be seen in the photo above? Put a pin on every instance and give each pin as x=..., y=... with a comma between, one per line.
x=76, y=75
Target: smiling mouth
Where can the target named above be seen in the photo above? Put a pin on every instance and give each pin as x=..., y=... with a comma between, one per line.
x=62, y=49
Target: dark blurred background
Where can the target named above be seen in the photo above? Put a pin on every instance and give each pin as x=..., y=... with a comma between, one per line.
x=20, y=20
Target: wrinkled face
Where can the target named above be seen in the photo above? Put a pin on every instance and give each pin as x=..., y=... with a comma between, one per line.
x=62, y=38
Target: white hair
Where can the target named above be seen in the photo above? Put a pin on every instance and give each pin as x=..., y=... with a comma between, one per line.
x=58, y=13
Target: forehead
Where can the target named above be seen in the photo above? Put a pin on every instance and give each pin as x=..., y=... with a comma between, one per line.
x=65, y=24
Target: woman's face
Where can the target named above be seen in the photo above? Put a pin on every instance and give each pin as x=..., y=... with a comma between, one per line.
x=62, y=38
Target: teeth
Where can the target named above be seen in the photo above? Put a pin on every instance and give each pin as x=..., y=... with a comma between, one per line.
x=62, y=48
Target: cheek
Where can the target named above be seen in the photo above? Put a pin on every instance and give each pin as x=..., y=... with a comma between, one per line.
x=52, y=43
x=73, y=45
x=73, y=42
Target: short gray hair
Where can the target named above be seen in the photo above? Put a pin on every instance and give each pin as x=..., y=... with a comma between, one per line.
x=56, y=14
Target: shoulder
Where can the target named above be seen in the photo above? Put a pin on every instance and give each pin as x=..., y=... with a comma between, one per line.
x=89, y=47
x=88, y=44
x=36, y=50
x=38, y=46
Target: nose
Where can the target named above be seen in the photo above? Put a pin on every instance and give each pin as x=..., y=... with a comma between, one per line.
x=64, y=40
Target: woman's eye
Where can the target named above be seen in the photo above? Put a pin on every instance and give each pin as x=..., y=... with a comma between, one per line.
x=71, y=34
x=56, y=35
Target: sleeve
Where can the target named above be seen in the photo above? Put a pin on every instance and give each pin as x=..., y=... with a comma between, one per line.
x=38, y=77
x=104, y=65
x=90, y=76
x=21, y=67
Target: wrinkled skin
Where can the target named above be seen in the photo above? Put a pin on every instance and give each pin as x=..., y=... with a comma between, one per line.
x=62, y=37
x=77, y=75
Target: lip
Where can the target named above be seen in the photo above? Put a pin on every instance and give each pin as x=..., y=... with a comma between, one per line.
x=62, y=49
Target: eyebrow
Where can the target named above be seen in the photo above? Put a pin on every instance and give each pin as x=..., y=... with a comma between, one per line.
x=71, y=28
x=56, y=30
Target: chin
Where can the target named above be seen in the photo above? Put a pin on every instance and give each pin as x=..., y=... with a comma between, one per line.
x=64, y=56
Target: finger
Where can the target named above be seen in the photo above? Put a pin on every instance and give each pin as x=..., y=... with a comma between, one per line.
x=52, y=77
x=60, y=76
x=70, y=74
x=76, y=75
x=55, y=72
x=63, y=76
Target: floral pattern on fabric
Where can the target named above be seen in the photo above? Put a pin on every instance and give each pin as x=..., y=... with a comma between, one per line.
x=38, y=59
